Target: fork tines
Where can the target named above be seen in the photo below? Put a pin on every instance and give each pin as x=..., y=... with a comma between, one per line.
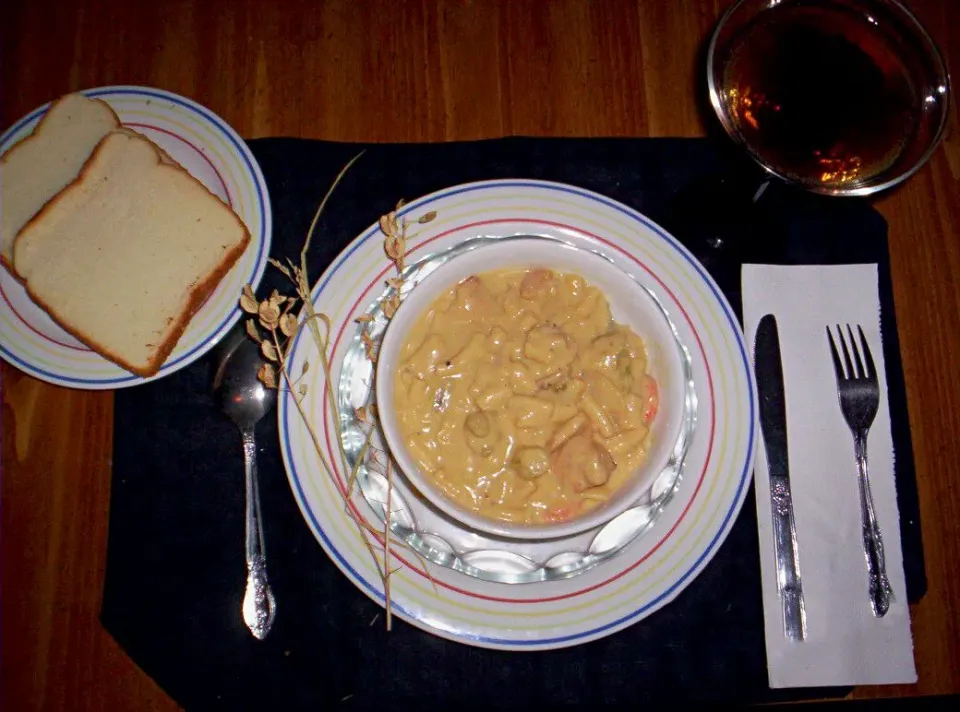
x=856, y=367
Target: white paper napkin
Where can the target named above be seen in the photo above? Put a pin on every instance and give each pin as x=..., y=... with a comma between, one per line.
x=845, y=644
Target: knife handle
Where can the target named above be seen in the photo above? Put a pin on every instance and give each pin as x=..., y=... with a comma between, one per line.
x=788, y=570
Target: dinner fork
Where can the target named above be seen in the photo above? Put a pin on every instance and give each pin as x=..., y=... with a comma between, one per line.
x=859, y=393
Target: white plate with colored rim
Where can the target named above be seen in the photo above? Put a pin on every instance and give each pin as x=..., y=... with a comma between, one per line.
x=650, y=572
x=213, y=153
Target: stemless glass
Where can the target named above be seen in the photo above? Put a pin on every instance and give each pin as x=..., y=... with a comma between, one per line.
x=840, y=97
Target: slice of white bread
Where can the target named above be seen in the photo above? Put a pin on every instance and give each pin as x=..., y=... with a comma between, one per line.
x=125, y=255
x=42, y=164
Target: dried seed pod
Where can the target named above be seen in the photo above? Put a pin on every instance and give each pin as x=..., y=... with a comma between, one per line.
x=269, y=351
x=389, y=226
x=267, y=375
x=248, y=301
x=288, y=324
x=252, y=331
x=269, y=315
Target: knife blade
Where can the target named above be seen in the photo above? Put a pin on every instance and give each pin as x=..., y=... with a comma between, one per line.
x=768, y=369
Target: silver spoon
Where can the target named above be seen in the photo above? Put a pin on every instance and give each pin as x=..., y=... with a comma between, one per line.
x=245, y=400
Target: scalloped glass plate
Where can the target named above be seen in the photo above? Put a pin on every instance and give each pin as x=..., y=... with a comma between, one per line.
x=441, y=540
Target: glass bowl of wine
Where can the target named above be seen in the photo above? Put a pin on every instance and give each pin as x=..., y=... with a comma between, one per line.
x=841, y=97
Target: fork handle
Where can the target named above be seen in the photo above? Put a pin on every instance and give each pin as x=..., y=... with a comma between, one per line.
x=879, y=585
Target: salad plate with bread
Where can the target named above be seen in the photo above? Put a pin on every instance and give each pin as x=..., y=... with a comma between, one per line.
x=131, y=219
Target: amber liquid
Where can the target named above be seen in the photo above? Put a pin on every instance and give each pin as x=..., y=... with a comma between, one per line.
x=819, y=93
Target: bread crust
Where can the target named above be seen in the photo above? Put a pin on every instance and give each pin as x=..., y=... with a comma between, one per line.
x=198, y=294
x=11, y=271
x=33, y=135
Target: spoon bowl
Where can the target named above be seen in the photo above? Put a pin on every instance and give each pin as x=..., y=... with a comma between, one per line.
x=240, y=394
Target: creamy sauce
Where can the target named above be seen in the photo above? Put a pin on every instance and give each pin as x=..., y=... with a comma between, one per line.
x=520, y=397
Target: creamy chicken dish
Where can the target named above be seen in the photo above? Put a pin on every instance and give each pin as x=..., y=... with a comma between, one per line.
x=520, y=397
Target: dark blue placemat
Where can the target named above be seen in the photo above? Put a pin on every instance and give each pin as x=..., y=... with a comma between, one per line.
x=175, y=569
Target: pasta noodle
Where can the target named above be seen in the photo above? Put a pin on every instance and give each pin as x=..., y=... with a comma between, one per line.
x=522, y=399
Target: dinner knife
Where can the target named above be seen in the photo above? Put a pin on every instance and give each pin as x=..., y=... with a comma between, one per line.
x=768, y=368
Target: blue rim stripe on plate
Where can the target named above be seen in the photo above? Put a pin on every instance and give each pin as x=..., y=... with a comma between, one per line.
x=734, y=325
x=264, y=242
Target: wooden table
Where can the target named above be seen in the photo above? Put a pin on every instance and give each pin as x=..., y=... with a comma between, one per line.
x=408, y=71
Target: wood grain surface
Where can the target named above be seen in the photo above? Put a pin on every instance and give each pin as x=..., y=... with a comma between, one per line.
x=408, y=71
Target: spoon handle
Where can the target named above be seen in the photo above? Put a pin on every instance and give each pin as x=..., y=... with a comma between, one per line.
x=259, y=606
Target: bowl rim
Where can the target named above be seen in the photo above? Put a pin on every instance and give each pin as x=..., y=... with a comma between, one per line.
x=593, y=519
x=945, y=91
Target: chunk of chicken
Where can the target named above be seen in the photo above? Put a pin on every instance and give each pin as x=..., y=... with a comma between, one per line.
x=581, y=463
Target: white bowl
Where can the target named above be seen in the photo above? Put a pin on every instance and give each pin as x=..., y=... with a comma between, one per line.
x=630, y=303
